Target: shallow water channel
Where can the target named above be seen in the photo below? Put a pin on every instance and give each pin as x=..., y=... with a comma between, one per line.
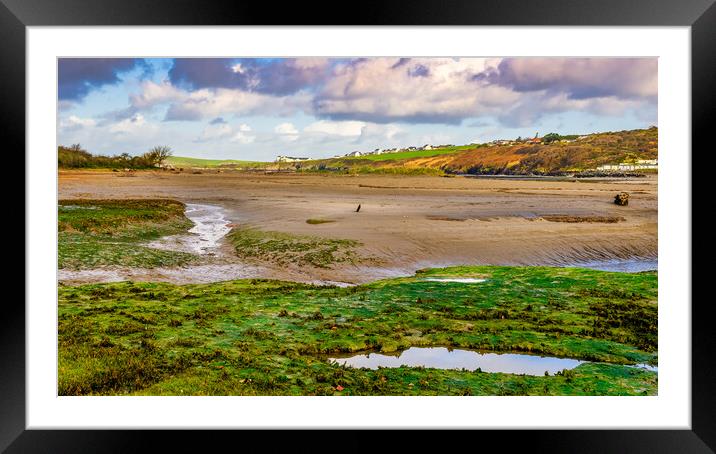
x=210, y=225
x=444, y=358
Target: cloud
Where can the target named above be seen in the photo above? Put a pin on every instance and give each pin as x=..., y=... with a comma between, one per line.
x=242, y=137
x=579, y=78
x=269, y=76
x=222, y=130
x=534, y=106
x=73, y=122
x=425, y=90
x=76, y=77
x=217, y=121
x=206, y=103
x=131, y=125
x=448, y=91
x=286, y=131
x=286, y=128
x=153, y=93
x=515, y=91
x=372, y=132
x=338, y=128
x=214, y=132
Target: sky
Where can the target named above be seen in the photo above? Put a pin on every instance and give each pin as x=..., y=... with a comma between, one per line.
x=256, y=109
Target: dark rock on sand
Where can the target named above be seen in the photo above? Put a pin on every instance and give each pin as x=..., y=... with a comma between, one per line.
x=622, y=199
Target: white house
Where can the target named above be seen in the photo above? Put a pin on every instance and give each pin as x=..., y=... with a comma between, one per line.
x=290, y=159
x=641, y=164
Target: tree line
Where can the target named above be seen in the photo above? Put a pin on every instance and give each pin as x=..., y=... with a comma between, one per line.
x=75, y=156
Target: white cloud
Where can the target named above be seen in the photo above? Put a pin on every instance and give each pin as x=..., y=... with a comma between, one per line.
x=242, y=138
x=130, y=125
x=153, y=93
x=338, y=128
x=219, y=131
x=381, y=133
x=287, y=132
x=214, y=132
x=75, y=122
x=421, y=89
x=207, y=103
x=285, y=128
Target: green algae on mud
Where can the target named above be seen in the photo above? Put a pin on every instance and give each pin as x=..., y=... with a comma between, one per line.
x=262, y=337
x=313, y=221
x=284, y=248
x=93, y=233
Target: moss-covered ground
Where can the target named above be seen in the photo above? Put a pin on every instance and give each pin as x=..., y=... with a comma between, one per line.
x=94, y=233
x=285, y=248
x=260, y=337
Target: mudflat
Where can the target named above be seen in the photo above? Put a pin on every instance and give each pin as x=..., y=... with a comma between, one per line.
x=407, y=223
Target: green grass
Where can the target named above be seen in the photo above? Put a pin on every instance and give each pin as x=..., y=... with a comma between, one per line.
x=319, y=221
x=284, y=248
x=93, y=233
x=179, y=161
x=415, y=153
x=260, y=337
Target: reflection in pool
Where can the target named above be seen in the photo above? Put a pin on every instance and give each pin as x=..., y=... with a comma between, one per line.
x=444, y=358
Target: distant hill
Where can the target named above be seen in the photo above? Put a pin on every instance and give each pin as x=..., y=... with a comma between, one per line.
x=180, y=161
x=578, y=154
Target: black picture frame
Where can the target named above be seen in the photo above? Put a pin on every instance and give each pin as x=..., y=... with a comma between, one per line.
x=700, y=15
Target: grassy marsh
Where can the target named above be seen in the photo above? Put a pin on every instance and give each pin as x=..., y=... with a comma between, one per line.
x=261, y=337
x=94, y=233
x=284, y=248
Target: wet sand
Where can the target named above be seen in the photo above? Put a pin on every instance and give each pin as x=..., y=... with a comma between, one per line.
x=407, y=222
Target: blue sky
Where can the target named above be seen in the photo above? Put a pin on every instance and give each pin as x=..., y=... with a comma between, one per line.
x=256, y=109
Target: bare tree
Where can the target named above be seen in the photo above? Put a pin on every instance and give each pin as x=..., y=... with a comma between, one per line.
x=158, y=155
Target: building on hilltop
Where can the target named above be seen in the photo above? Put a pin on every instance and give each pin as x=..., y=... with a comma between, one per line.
x=290, y=159
x=641, y=164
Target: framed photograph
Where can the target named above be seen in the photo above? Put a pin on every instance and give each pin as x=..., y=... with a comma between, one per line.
x=474, y=217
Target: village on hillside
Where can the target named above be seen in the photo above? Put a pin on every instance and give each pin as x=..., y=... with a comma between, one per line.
x=638, y=164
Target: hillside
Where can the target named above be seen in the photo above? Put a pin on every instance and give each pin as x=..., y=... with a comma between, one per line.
x=578, y=155
x=408, y=154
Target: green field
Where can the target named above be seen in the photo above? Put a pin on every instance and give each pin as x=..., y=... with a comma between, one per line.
x=94, y=233
x=179, y=161
x=414, y=153
x=260, y=337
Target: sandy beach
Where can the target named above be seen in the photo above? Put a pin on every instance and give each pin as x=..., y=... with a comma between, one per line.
x=410, y=222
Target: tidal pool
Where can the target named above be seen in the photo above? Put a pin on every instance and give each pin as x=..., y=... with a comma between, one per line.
x=444, y=358
x=636, y=265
